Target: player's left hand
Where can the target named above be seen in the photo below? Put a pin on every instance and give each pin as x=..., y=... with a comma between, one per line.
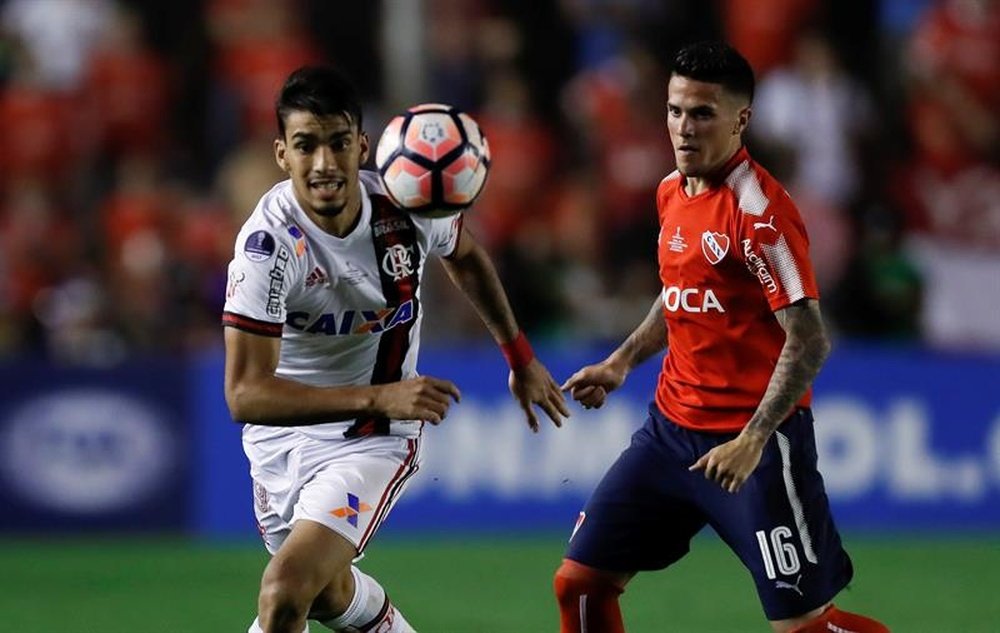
x=731, y=464
x=534, y=385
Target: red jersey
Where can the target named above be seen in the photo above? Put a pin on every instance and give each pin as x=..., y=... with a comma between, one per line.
x=729, y=257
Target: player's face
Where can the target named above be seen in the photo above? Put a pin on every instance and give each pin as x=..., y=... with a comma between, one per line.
x=322, y=155
x=705, y=123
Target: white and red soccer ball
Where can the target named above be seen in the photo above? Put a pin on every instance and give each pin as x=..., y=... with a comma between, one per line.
x=433, y=159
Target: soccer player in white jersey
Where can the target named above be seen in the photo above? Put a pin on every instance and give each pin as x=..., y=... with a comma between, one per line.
x=323, y=316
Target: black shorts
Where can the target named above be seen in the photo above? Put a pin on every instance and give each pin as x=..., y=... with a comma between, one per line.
x=648, y=506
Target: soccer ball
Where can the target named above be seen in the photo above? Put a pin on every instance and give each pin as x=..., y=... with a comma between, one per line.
x=433, y=160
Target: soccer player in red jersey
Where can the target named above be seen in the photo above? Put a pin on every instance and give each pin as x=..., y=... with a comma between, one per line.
x=729, y=439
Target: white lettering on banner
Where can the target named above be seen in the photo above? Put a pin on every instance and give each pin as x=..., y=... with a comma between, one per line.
x=860, y=449
x=489, y=449
x=485, y=449
x=920, y=474
x=86, y=451
x=993, y=446
x=847, y=441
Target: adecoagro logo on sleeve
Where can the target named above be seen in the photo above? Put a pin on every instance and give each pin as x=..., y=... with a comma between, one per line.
x=86, y=451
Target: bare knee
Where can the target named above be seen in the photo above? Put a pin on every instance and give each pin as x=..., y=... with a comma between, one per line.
x=287, y=592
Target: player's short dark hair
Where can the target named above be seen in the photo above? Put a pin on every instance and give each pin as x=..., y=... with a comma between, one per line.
x=321, y=90
x=718, y=63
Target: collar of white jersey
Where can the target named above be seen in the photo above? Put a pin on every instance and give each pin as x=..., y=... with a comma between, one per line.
x=364, y=219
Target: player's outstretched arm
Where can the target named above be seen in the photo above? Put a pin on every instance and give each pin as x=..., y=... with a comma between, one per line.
x=472, y=271
x=255, y=395
x=803, y=354
x=591, y=385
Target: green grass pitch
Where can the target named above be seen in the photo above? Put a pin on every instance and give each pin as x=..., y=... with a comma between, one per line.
x=473, y=585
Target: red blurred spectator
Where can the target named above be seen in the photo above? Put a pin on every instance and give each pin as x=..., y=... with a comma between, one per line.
x=523, y=149
x=954, y=57
x=618, y=111
x=950, y=186
x=43, y=132
x=203, y=234
x=39, y=243
x=127, y=89
x=258, y=42
x=138, y=205
x=139, y=225
x=949, y=190
x=765, y=30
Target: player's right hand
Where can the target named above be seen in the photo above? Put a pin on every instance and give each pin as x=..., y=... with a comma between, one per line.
x=424, y=398
x=591, y=385
x=533, y=384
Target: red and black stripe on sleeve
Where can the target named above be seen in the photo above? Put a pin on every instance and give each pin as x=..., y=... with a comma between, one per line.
x=253, y=326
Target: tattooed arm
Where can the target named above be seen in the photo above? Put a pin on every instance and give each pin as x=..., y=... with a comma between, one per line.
x=591, y=385
x=806, y=348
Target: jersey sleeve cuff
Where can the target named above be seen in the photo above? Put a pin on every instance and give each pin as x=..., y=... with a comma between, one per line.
x=460, y=222
x=253, y=326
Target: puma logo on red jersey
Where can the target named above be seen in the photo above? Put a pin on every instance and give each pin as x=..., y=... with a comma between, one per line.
x=765, y=225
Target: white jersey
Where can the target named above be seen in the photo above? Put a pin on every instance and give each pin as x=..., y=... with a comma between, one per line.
x=348, y=308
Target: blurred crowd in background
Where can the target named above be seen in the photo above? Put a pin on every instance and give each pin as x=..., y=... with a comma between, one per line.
x=137, y=137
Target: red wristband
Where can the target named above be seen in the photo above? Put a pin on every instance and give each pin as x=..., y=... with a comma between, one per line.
x=518, y=352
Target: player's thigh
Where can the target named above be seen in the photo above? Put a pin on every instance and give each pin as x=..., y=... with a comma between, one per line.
x=638, y=518
x=348, y=486
x=277, y=480
x=353, y=490
x=781, y=527
x=312, y=558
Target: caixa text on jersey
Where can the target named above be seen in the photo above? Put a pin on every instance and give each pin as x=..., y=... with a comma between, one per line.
x=351, y=321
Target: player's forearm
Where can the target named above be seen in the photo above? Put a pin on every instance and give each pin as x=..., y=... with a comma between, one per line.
x=803, y=354
x=650, y=337
x=475, y=275
x=273, y=401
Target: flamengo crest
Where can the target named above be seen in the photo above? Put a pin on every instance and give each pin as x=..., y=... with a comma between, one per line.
x=398, y=261
x=714, y=246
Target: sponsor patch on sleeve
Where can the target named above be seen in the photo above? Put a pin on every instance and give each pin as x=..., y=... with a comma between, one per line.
x=259, y=246
x=300, y=240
